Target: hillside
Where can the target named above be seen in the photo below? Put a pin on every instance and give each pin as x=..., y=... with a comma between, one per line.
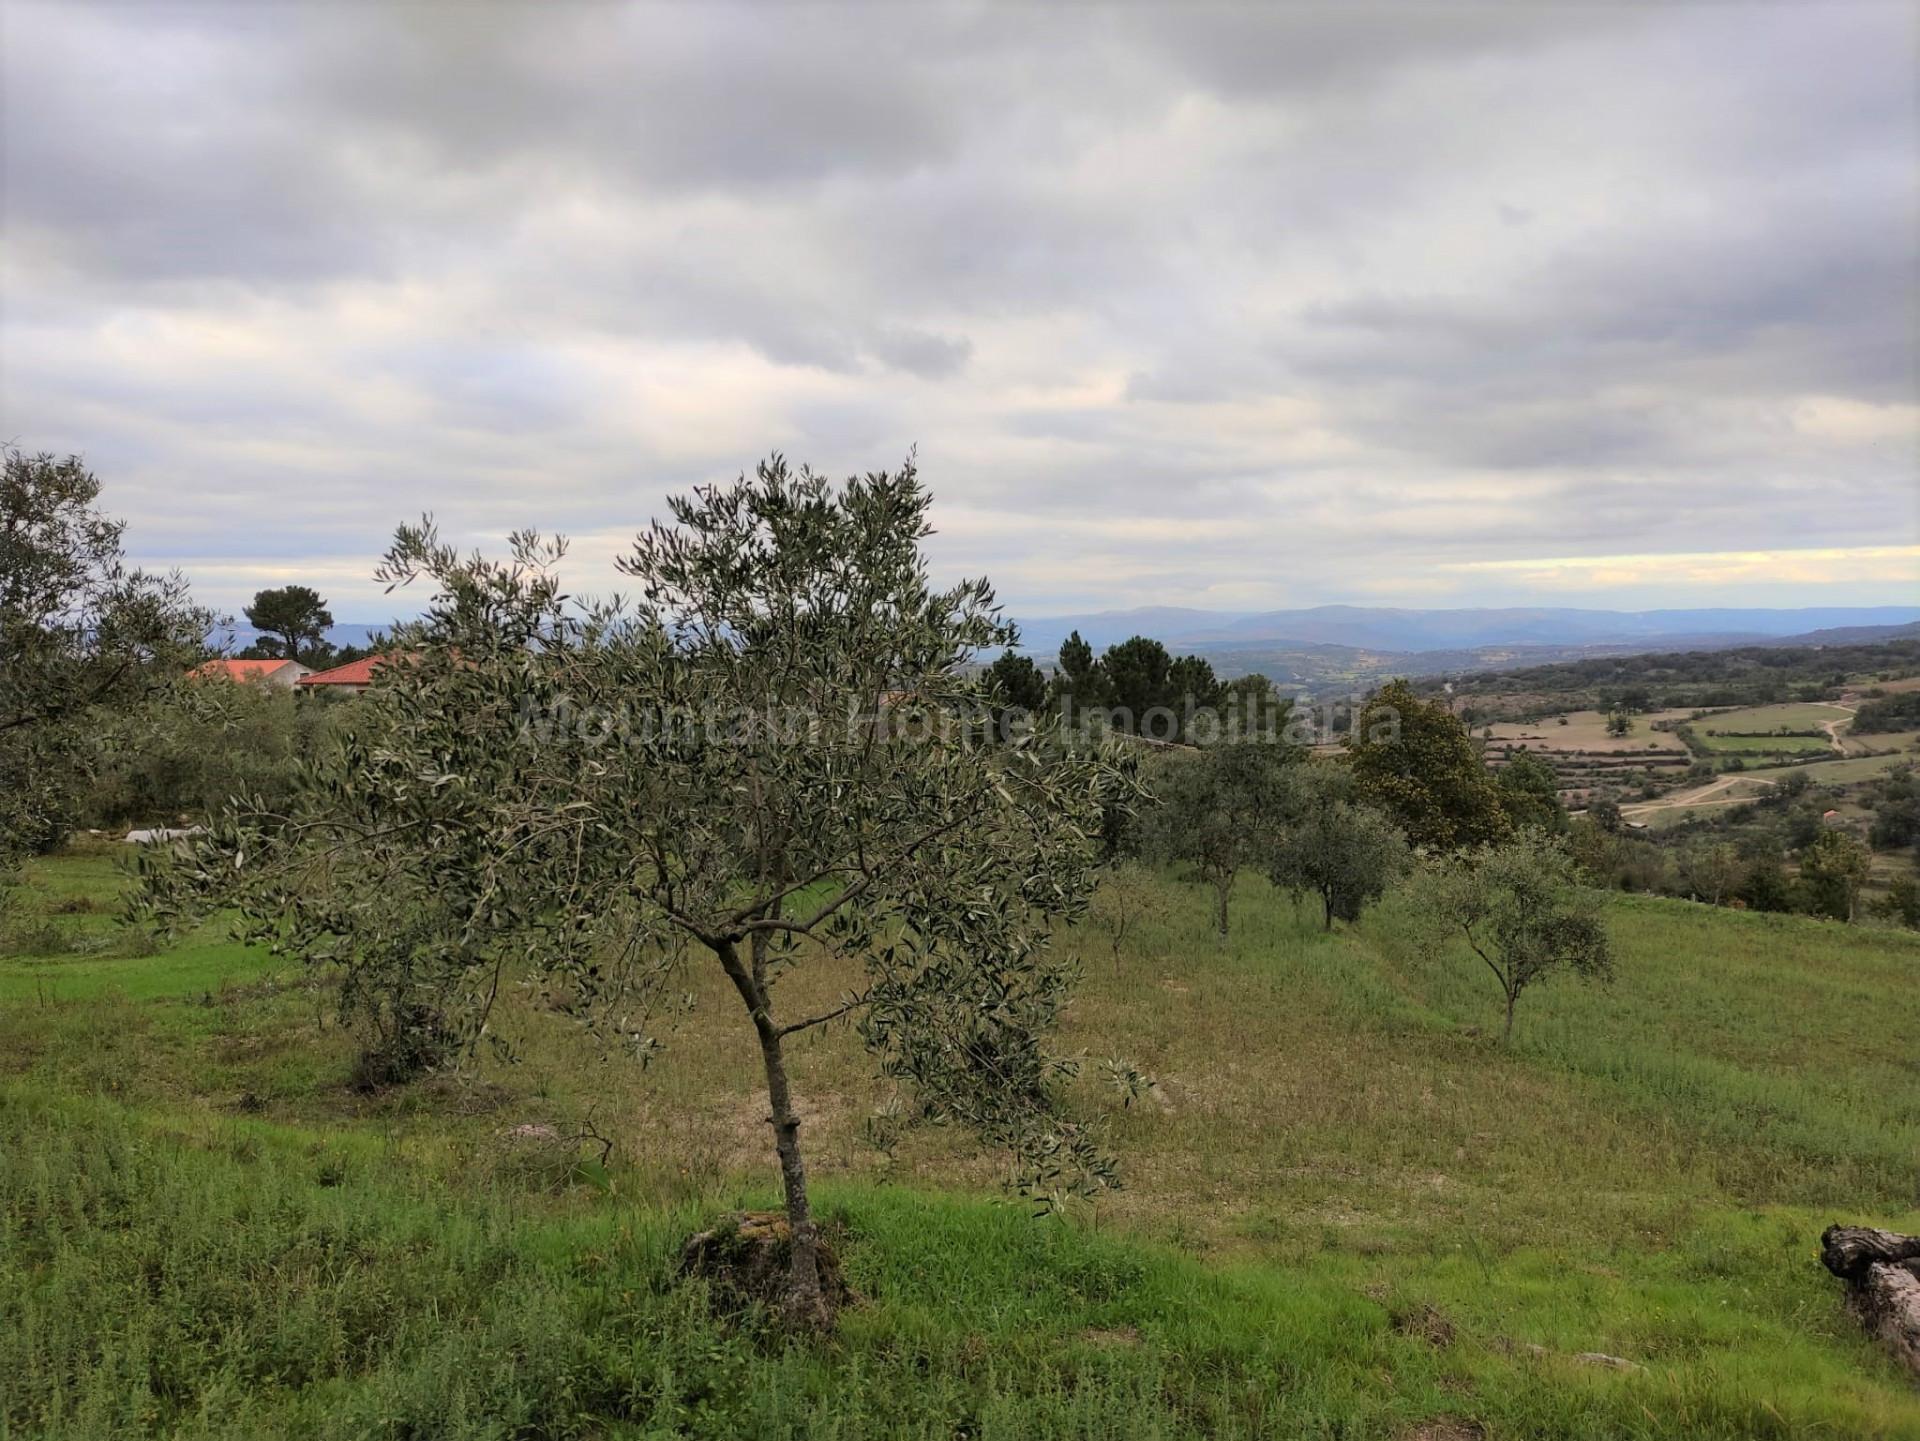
x=1331, y=651
x=1746, y=675
x=1347, y=1211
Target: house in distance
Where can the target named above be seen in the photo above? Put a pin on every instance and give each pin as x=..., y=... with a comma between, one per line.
x=283, y=673
x=349, y=679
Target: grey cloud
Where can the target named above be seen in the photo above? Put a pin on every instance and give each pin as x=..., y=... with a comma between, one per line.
x=1255, y=51
x=1412, y=281
x=927, y=355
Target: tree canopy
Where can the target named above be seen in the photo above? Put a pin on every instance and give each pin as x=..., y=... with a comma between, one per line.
x=1530, y=792
x=1255, y=709
x=293, y=621
x=1137, y=673
x=1833, y=869
x=1332, y=846
x=1218, y=811
x=1414, y=759
x=1079, y=682
x=78, y=629
x=763, y=758
x=1522, y=910
x=1018, y=684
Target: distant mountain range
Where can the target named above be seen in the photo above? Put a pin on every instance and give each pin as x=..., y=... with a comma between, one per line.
x=1415, y=631
x=1330, y=649
x=1339, y=649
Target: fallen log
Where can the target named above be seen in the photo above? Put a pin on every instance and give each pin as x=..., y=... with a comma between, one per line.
x=1848, y=1250
x=1882, y=1273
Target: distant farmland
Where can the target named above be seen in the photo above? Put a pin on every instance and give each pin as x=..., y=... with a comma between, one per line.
x=1584, y=756
x=1793, y=730
x=1766, y=744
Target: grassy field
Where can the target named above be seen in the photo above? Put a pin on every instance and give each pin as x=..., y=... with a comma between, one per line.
x=1587, y=731
x=1716, y=799
x=1904, y=744
x=1767, y=745
x=1835, y=772
x=1749, y=732
x=1348, y=1213
x=1807, y=715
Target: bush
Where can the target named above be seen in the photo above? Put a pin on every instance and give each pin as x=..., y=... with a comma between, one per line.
x=33, y=938
x=1901, y=904
x=187, y=750
x=1898, y=712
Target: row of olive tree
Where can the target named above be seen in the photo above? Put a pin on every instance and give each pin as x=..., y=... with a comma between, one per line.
x=1262, y=806
x=180, y=753
x=1513, y=896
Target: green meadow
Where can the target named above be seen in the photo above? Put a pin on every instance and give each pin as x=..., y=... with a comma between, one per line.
x=1766, y=745
x=1348, y=1212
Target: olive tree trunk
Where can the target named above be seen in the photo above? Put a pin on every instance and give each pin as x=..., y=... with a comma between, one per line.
x=806, y=1303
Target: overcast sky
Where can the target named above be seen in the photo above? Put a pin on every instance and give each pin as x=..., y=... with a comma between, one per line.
x=1239, y=307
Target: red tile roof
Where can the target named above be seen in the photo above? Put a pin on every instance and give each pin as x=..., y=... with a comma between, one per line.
x=237, y=669
x=354, y=672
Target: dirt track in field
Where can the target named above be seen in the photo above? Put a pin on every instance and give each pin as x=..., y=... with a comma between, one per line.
x=1703, y=795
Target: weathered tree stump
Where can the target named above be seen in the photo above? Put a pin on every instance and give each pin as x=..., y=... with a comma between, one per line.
x=1882, y=1272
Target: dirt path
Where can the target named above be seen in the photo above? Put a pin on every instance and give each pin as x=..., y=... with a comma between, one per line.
x=1710, y=793
x=1704, y=795
x=1832, y=728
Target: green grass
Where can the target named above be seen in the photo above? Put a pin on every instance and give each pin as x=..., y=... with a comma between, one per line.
x=1794, y=715
x=203, y=1232
x=1767, y=745
x=199, y=967
x=1748, y=732
x=82, y=950
x=1838, y=772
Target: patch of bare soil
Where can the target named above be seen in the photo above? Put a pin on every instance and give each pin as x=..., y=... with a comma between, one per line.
x=1428, y=1323
x=1444, y=1428
x=744, y=1132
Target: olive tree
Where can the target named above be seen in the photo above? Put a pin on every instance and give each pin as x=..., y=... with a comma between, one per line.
x=1833, y=869
x=79, y=629
x=1218, y=811
x=765, y=760
x=1332, y=846
x=1713, y=871
x=1521, y=909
